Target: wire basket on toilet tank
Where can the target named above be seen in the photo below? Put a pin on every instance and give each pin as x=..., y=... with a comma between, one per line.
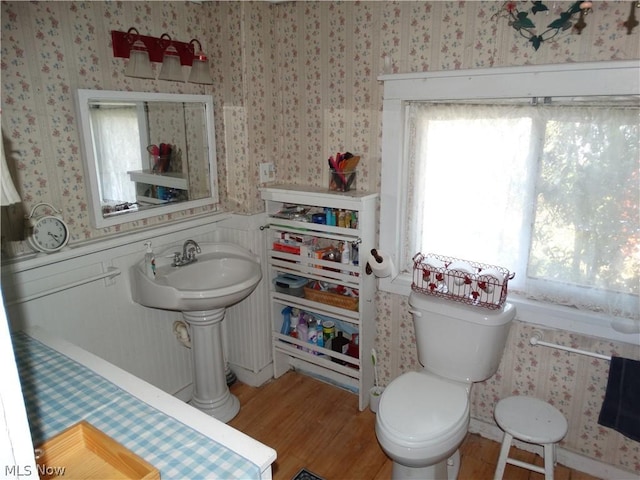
x=460, y=280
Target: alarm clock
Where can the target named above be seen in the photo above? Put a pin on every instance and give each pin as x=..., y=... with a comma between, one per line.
x=49, y=233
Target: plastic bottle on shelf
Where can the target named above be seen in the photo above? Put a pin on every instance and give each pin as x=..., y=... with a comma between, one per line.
x=331, y=217
x=340, y=344
x=341, y=218
x=286, y=321
x=345, y=255
x=295, y=317
x=355, y=256
x=328, y=332
x=353, y=350
x=320, y=334
x=312, y=333
x=303, y=332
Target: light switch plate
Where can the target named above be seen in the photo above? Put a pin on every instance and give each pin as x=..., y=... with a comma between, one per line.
x=267, y=172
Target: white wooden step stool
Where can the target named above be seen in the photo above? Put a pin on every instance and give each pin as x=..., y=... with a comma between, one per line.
x=532, y=421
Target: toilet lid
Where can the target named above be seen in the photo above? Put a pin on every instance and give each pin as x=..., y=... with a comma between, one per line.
x=418, y=406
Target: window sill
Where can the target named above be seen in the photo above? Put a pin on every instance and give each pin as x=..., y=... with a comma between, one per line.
x=546, y=315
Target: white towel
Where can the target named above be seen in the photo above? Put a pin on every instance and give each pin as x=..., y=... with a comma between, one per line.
x=8, y=192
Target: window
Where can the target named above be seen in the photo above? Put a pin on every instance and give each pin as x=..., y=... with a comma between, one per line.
x=116, y=158
x=549, y=191
x=546, y=185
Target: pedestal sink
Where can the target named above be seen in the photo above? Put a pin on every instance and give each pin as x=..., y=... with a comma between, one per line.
x=222, y=275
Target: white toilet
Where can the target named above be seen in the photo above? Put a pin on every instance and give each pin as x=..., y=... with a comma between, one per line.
x=423, y=416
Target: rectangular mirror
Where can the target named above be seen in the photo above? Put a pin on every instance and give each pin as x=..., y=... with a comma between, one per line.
x=146, y=154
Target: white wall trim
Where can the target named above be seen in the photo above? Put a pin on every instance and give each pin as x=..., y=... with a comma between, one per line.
x=565, y=457
x=557, y=80
x=185, y=393
x=245, y=222
x=80, y=249
x=253, y=379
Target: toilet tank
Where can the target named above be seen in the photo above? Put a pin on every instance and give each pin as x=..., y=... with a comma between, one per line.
x=458, y=341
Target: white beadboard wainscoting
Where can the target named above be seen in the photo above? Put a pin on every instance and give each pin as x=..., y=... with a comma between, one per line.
x=100, y=316
x=247, y=327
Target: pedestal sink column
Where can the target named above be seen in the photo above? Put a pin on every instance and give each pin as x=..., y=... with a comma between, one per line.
x=210, y=391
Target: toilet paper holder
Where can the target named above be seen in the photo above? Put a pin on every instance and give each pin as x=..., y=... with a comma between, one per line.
x=379, y=264
x=377, y=258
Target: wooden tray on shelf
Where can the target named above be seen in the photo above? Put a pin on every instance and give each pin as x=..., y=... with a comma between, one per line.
x=330, y=298
x=83, y=451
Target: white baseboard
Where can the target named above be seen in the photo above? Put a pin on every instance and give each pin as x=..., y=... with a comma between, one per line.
x=184, y=393
x=245, y=376
x=251, y=378
x=565, y=457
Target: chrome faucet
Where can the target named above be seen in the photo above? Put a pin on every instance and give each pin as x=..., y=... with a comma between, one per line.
x=189, y=250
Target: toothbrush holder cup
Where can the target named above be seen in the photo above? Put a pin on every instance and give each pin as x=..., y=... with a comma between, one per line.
x=342, y=180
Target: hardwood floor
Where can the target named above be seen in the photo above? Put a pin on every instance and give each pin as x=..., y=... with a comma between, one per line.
x=318, y=426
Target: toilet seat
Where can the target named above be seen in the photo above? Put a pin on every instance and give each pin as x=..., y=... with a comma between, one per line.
x=419, y=409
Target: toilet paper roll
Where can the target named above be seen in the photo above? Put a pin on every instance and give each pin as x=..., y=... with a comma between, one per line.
x=490, y=283
x=434, y=262
x=455, y=278
x=433, y=272
x=380, y=263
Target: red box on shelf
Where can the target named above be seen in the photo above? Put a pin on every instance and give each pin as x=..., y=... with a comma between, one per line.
x=282, y=247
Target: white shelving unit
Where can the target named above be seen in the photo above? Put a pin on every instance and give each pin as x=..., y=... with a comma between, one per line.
x=146, y=178
x=354, y=372
x=167, y=179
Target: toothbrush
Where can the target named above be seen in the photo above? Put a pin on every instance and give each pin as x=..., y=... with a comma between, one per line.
x=374, y=359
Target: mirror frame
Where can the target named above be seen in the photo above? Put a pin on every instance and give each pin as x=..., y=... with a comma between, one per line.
x=83, y=98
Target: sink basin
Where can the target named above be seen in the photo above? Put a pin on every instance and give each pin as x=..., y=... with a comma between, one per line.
x=223, y=275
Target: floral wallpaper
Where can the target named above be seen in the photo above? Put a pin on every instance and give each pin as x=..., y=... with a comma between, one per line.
x=50, y=49
x=295, y=82
x=575, y=384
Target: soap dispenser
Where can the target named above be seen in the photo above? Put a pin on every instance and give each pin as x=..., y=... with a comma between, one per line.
x=149, y=261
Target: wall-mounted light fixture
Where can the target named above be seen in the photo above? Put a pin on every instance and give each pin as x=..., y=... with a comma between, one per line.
x=200, y=68
x=172, y=54
x=171, y=65
x=139, y=65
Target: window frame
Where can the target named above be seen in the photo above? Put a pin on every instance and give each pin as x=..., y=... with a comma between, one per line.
x=562, y=80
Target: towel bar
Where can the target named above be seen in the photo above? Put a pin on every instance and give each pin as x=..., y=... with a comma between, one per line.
x=536, y=339
x=110, y=273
